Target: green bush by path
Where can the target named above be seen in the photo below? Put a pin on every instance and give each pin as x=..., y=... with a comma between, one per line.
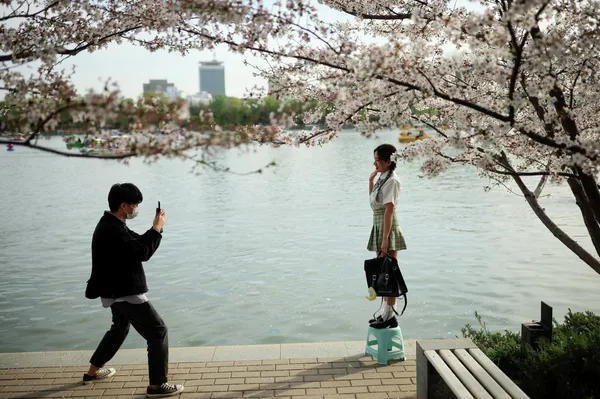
x=566, y=368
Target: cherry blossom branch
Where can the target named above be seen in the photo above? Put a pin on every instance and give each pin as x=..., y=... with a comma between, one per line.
x=551, y=143
x=74, y=51
x=501, y=183
x=455, y=100
x=541, y=114
x=392, y=16
x=433, y=127
x=213, y=165
x=389, y=17
x=27, y=15
x=308, y=31
x=509, y=171
x=409, y=86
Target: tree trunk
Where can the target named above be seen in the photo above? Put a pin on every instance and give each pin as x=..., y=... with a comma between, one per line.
x=587, y=213
x=592, y=192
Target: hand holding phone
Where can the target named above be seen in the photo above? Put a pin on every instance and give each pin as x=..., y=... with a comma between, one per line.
x=159, y=219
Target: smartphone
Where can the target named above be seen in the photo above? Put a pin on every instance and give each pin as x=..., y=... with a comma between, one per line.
x=158, y=209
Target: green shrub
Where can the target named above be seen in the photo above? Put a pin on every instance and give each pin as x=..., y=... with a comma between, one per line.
x=568, y=367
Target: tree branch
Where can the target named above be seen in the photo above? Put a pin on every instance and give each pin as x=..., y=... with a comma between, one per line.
x=550, y=225
x=223, y=169
x=66, y=153
x=538, y=173
x=566, y=121
x=572, y=89
x=518, y=55
x=388, y=17
x=538, y=189
x=539, y=110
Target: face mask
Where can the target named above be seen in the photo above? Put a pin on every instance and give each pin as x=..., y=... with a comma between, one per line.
x=132, y=214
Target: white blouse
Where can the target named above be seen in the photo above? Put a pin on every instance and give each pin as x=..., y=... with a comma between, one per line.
x=389, y=192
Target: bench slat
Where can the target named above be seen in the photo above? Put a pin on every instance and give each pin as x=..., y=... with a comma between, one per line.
x=493, y=370
x=464, y=375
x=482, y=376
x=451, y=380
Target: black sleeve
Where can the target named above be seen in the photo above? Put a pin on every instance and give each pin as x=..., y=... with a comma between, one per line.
x=138, y=247
x=143, y=236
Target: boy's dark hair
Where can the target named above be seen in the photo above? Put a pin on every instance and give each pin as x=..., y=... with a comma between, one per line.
x=384, y=152
x=126, y=192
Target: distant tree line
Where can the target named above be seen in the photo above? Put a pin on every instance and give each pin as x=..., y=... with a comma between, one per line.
x=153, y=108
x=233, y=111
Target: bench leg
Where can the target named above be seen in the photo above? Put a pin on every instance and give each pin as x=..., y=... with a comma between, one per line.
x=429, y=383
x=422, y=374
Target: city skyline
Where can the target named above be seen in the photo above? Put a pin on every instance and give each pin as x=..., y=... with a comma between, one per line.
x=129, y=66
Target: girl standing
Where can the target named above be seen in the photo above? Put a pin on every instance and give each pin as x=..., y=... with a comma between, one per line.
x=386, y=236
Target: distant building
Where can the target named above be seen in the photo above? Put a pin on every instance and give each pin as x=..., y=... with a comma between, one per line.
x=200, y=98
x=162, y=86
x=212, y=77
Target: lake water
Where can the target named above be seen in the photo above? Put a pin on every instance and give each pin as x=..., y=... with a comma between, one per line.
x=278, y=257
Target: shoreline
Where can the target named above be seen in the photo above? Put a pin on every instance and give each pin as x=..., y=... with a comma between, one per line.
x=344, y=349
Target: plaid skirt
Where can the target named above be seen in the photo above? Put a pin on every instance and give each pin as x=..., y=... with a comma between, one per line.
x=396, y=240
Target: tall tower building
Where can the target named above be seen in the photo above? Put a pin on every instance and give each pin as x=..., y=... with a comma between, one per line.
x=212, y=77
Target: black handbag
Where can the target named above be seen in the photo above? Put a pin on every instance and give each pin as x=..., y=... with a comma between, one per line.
x=384, y=276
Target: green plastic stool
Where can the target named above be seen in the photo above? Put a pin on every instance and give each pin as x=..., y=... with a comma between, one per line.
x=387, y=348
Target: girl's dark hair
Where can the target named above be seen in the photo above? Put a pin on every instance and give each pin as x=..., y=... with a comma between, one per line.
x=384, y=152
x=126, y=192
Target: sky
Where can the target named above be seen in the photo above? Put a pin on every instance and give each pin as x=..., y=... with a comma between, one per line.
x=131, y=66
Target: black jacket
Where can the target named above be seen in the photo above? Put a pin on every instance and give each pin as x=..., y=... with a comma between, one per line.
x=117, y=256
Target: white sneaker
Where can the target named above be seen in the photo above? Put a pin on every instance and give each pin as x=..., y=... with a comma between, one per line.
x=164, y=390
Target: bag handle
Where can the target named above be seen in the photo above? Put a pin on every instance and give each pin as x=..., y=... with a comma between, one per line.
x=397, y=275
x=387, y=254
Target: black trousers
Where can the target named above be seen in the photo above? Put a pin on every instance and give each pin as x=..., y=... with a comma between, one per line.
x=149, y=325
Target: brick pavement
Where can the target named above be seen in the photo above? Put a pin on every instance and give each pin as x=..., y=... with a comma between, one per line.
x=357, y=377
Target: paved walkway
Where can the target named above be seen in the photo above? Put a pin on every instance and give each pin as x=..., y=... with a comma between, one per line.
x=288, y=371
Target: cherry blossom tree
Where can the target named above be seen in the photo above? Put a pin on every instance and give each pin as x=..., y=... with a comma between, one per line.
x=510, y=86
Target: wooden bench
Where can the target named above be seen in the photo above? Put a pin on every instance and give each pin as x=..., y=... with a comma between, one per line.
x=456, y=368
